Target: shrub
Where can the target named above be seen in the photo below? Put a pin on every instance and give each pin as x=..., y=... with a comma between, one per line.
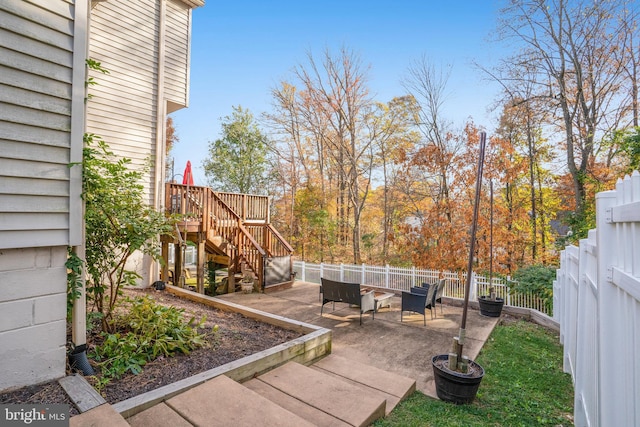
x=535, y=280
x=118, y=223
x=148, y=330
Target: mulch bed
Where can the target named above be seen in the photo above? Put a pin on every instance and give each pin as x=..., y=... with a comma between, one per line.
x=237, y=337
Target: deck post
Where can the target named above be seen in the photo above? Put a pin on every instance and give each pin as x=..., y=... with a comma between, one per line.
x=165, y=258
x=178, y=266
x=201, y=260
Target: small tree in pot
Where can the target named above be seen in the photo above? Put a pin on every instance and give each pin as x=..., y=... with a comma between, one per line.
x=491, y=306
x=457, y=378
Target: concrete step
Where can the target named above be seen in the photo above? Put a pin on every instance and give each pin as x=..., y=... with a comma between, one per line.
x=392, y=387
x=334, y=392
x=103, y=415
x=224, y=402
x=319, y=397
x=293, y=404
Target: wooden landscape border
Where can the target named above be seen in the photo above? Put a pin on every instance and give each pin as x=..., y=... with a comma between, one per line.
x=315, y=344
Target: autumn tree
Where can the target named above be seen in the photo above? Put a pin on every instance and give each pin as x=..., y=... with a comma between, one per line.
x=294, y=163
x=571, y=46
x=171, y=139
x=171, y=135
x=325, y=107
x=431, y=170
x=439, y=144
x=390, y=127
x=238, y=161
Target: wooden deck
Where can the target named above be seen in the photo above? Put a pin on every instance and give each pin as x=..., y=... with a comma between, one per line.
x=230, y=229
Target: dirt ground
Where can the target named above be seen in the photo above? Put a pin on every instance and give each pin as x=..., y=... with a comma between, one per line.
x=237, y=337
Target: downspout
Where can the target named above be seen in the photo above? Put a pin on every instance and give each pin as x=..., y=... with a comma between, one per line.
x=161, y=107
x=78, y=356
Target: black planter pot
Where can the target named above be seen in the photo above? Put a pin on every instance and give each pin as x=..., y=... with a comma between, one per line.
x=490, y=308
x=456, y=387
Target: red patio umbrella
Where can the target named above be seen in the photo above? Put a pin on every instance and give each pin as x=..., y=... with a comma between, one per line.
x=187, y=177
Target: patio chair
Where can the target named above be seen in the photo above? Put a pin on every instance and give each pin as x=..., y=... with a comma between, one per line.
x=350, y=293
x=320, y=296
x=431, y=294
x=418, y=300
x=437, y=297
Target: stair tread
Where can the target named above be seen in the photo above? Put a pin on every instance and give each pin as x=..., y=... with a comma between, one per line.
x=352, y=404
x=388, y=382
x=223, y=402
x=292, y=404
x=391, y=400
x=159, y=415
x=103, y=415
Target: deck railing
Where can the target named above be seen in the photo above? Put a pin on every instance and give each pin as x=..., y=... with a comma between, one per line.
x=250, y=207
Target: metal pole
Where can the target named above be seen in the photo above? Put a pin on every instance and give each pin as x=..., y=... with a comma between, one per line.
x=491, y=289
x=474, y=226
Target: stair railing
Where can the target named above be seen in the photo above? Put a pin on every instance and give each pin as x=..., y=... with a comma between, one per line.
x=242, y=220
x=269, y=238
x=229, y=225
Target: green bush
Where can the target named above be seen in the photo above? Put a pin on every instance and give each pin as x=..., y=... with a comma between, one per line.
x=535, y=280
x=118, y=224
x=148, y=330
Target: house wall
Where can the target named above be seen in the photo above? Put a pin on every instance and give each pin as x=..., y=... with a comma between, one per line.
x=177, y=42
x=43, y=47
x=42, y=52
x=145, y=47
x=122, y=109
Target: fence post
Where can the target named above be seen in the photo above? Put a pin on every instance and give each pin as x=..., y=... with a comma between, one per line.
x=611, y=379
x=474, y=289
x=413, y=276
x=508, y=296
x=303, y=275
x=341, y=272
x=386, y=276
x=363, y=273
x=321, y=270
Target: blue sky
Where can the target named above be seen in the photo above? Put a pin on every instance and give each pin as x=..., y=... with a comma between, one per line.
x=241, y=49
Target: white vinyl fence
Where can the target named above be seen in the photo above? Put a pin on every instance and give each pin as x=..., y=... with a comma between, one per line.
x=401, y=279
x=597, y=303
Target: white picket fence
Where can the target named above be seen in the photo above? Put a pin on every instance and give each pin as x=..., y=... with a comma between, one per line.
x=401, y=279
x=597, y=304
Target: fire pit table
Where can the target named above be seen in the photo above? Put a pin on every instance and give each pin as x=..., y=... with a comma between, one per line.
x=382, y=299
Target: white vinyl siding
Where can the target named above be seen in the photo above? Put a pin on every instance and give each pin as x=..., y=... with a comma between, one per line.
x=177, y=38
x=123, y=107
x=36, y=77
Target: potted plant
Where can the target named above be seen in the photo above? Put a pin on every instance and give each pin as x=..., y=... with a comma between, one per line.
x=246, y=284
x=491, y=306
x=456, y=377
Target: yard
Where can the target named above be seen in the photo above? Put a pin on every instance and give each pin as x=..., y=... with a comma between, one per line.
x=523, y=386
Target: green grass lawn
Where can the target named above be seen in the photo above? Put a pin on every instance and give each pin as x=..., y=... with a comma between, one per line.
x=523, y=385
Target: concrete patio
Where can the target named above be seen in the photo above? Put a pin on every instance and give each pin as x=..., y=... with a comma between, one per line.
x=403, y=348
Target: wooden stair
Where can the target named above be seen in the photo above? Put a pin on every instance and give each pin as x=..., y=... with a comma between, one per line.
x=231, y=227
x=332, y=392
